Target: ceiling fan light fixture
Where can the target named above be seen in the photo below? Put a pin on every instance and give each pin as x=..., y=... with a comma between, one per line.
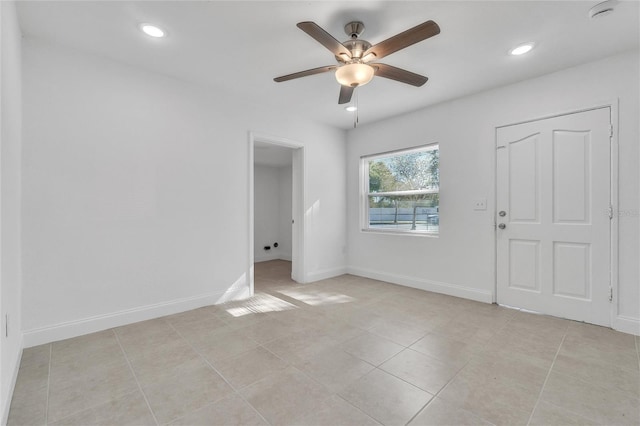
x=356, y=74
x=152, y=30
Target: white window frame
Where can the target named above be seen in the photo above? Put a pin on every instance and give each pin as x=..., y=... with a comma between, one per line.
x=364, y=191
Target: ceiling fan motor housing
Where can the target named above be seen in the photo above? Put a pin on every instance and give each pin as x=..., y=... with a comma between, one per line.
x=357, y=47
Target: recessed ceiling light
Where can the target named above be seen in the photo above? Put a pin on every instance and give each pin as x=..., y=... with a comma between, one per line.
x=521, y=49
x=152, y=30
x=351, y=108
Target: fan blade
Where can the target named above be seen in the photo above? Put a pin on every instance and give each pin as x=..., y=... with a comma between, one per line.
x=402, y=40
x=398, y=74
x=305, y=73
x=345, y=94
x=324, y=38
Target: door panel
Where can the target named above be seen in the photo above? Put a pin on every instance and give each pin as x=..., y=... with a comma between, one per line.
x=524, y=265
x=524, y=179
x=553, y=185
x=571, y=270
x=571, y=172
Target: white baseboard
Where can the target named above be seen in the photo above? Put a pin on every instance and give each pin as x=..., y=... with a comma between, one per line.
x=67, y=330
x=325, y=273
x=271, y=256
x=6, y=404
x=428, y=285
x=627, y=325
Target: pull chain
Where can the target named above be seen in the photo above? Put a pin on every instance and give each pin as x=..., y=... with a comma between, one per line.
x=355, y=111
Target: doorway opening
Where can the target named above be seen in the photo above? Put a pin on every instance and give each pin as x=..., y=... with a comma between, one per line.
x=276, y=219
x=270, y=275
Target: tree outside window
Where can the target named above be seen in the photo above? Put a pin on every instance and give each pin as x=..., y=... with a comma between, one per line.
x=402, y=190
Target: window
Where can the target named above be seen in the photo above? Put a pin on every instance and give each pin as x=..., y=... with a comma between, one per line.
x=401, y=191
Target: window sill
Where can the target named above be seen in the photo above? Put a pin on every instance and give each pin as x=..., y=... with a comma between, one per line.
x=401, y=233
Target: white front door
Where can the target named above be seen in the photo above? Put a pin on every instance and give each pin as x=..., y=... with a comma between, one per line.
x=553, y=199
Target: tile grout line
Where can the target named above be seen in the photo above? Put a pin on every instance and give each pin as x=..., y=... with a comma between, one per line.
x=337, y=395
x=46, y=410
x=440, y=391
x=80, y=410
x=135, y=377
x=206, y=361
x=289, y=364
x=91, y=407
x=329, y=391
x=337, y=346
x=454, y=376
x=377, y=367
x=546, y=379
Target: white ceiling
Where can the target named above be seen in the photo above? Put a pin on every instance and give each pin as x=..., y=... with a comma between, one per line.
x=238, y=47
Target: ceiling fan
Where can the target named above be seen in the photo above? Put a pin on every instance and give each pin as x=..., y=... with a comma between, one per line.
x=355, y=56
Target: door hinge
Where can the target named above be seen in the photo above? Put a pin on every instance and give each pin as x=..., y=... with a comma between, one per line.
x=610, y=294
x=610, y=130
x=610, y=211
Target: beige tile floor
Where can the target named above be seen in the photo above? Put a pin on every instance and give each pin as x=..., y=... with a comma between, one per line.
x=347, y=350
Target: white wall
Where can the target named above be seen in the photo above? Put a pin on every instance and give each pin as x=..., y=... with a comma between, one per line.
x=272, y=206
x=124, y=172
x=461, y=261
x=10, y=147
x=285, y=185
x=266, y=211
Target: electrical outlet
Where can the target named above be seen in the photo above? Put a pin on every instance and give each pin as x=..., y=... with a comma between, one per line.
x=480, y=204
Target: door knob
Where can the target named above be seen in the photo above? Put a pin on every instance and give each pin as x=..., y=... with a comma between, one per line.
x=502, y=226
x=502, y=213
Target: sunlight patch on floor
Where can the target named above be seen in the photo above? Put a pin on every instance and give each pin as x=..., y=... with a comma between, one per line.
x=260, y=304
x=315, y=298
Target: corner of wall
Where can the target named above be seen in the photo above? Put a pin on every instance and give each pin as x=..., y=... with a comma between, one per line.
x=324, y=274
x=10, y=203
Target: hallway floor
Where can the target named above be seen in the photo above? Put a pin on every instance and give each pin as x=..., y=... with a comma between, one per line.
x=342, y=351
